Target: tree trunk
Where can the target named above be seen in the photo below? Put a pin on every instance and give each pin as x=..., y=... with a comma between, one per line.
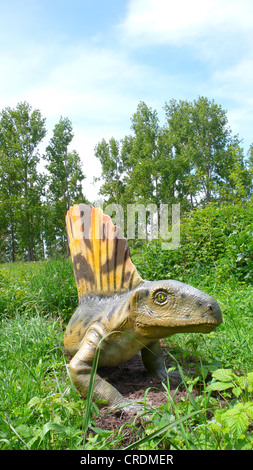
x=13, y=254
x=30, y=253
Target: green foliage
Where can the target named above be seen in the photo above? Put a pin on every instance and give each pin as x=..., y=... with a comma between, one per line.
x=231, y=426
x=143, y=157
x=64, y=186
x=21, y=131
x=200, y=136
x=193, y=159
x=238, y=385
x=112, y=163
x=47, y=287
x=33, y=204
x=217, y=239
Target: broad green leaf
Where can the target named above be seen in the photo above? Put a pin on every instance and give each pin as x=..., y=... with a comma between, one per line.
x=237, y=421
x=249, y=409
x=224, y=375
x=52, y=426
x=250, y=382
x=219, y=386
x=34, y=401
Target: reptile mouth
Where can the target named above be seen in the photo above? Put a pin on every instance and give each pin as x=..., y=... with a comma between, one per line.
x=164, y=332
x=203, y=328
x=208, y=327
x=197, y=328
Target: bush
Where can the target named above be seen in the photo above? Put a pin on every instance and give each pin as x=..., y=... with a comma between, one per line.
x=216, y=238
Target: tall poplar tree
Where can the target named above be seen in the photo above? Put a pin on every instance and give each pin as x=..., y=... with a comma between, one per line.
x=200, y=137
x=64, y=188
x=21, y=186
x=143, y=158
x=113, y=167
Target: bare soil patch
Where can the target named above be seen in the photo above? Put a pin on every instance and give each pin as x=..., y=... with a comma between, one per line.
x=131, y=380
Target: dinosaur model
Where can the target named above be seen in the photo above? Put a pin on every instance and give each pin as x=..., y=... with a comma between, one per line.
x=118, y=310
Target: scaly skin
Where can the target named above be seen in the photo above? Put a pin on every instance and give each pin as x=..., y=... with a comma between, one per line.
x=118, y=311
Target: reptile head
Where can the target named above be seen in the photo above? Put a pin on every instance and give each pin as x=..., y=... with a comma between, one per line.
x=162, y=308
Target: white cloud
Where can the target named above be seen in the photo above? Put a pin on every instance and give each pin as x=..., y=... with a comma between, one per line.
x=98, y=85
x=216, y=35
x=92, y=84
x=241, y=74
x=163, y=21
x=235, y=84
x=92, y=87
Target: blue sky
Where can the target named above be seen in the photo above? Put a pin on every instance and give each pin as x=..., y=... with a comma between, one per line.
x=93, y=62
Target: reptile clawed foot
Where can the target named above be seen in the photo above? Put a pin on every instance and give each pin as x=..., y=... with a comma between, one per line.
x=130, y=406
x=174, y=376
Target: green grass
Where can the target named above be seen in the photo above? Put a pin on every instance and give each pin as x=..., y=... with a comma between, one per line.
x=40, y=409
x=45, y=287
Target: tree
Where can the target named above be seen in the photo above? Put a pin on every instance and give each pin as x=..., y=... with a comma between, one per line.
x=192, y=160
x=21, y=131
x=113, y=166
x=130, y=169
x=250, y=168
x=65, y=178
x=143, y=156
x=238, y=184
x=200, y=137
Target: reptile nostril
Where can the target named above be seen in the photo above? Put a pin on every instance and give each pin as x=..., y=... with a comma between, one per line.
x=216, y=311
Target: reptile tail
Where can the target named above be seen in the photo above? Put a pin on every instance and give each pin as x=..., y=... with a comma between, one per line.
x=99, y=252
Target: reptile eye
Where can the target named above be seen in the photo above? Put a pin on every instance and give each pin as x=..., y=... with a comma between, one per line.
x=160, y=297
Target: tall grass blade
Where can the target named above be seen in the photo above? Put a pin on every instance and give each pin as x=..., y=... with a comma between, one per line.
x=162, y=430
x=90, y=392
x=15, y=432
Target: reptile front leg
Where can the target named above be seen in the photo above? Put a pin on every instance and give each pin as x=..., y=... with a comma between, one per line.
x=153, y=360
x=80, y=371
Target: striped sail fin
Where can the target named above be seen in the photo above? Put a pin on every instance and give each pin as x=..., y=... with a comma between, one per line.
x=100, y=254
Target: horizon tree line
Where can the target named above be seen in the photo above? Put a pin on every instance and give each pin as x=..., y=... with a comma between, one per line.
x=34, y=202
x=193, y=159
